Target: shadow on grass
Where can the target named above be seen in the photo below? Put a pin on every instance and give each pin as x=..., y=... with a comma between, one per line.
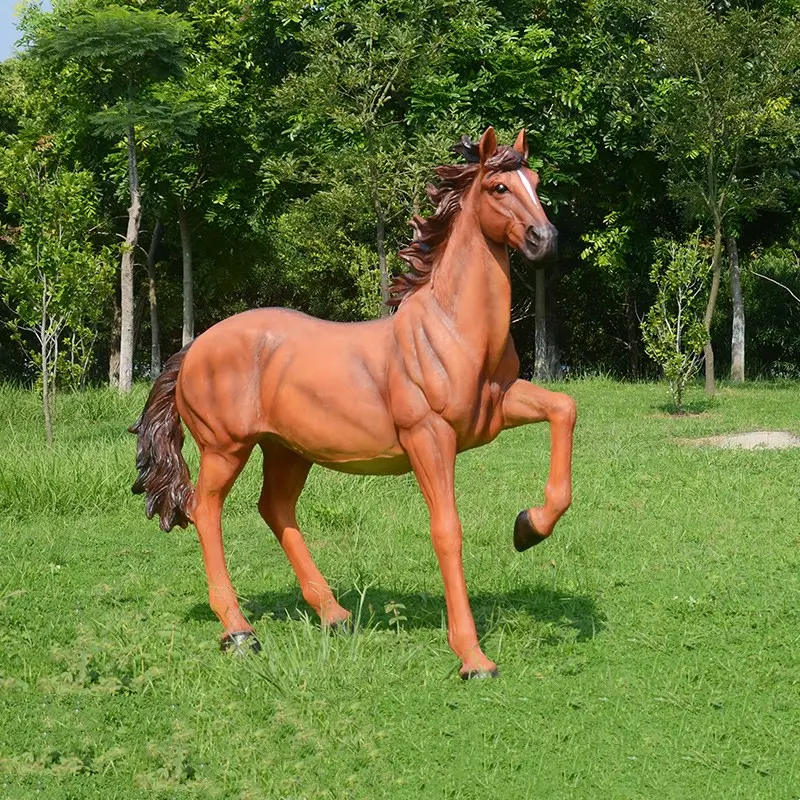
x=699, y=405
x=424, y=610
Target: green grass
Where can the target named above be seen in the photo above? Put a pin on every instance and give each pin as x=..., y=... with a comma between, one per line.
x=650, y=649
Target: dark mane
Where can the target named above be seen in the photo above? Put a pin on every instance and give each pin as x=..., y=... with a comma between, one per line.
x=431, y=233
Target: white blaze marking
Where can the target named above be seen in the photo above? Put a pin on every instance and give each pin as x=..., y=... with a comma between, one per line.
x=527, y=185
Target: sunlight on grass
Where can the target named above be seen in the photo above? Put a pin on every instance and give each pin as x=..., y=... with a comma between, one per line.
x=649, y=649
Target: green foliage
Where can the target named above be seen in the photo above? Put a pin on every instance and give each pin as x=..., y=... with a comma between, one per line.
x=297, y=136
x=723, y=114
x=345, y=107
x=772, y=295
x=609, y=246
x=317, y=265
x=116, y=48
x=673, y=329
x=54, y=270
x=119, y=67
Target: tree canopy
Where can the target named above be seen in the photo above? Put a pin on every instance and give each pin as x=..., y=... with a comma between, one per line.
x=287, y=145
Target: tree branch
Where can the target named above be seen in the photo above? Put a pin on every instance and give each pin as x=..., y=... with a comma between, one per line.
x=777, y=283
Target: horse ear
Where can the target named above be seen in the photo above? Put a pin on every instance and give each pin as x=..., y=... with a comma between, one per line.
x=521, y=145
x=487, y=144
x=467, y=149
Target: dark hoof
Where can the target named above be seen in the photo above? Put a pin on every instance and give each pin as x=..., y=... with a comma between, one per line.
x=241, y=643
x=344, y=627
x=478, y=674
x=525, y=535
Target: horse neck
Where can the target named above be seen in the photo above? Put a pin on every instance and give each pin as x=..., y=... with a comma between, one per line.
x=472, y=285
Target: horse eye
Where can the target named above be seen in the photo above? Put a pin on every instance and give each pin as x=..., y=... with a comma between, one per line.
x=501, y=188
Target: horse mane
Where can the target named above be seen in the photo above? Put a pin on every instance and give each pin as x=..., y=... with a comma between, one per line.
x=423, y=252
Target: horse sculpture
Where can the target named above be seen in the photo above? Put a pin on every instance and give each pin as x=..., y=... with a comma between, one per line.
x=407, y=392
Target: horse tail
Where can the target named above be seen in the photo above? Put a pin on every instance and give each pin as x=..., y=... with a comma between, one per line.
x=163, y=474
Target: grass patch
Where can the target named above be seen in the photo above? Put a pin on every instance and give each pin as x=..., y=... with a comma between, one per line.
x=649, y=649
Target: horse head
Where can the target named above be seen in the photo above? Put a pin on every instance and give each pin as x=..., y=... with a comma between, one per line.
x=506, y=203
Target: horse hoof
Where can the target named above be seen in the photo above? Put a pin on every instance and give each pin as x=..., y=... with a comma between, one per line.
x=479, y=674
x=240, y=643
x=343, y=626
x=525, y=535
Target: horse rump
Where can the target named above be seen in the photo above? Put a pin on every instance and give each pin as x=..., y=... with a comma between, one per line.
x=163, y=474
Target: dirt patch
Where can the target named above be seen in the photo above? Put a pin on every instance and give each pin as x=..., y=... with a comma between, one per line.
x=754, y=440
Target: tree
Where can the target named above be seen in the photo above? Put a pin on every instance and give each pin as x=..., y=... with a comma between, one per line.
x=347, y=106
x=610, y=250
x=120, y=56
x=202, y=175
x=564, y=72
x=674, y=330
x=55, y=271
x=723, y=121
x=737, y=332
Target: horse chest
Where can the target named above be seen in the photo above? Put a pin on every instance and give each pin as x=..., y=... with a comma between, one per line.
x=479, y=420
x=478, y=416
x=448, y=369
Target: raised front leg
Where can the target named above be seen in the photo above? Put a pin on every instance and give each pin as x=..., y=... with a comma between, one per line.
x=431, y=448
x=525, y=403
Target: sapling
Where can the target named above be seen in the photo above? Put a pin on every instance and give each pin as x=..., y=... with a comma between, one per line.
x=52, y=272
x=673, y=329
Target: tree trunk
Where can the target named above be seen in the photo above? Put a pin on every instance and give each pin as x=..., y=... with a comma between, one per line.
x=379, y=241
x=716, y=260
x=113, y=347
x=126, y=271
x=553, y=353
x=138, y=316
x=155, y=333
x=541, y=355
x=380, y=237
x=633, y=330
x=188, y=280
x=44, y=340
x=737, y=334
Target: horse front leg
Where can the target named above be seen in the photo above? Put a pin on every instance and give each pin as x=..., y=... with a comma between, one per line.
x=525, y=403
x=431, y=448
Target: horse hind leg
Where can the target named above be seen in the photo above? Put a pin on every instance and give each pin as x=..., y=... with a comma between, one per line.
x=285, y=474
x=218, y=472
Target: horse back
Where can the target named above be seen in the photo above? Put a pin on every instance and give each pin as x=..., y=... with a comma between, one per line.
x=318, y=386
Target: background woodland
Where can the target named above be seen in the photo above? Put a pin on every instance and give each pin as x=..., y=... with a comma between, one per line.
x=166, y=165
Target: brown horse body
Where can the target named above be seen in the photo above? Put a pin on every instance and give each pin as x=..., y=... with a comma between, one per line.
x=403, y=393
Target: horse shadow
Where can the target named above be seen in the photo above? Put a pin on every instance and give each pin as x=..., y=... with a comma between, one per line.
x=382, y=607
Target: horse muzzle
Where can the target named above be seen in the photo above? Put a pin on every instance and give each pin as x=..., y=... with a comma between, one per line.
x=540, y=244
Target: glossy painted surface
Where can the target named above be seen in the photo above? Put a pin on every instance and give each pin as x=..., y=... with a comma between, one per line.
x=407, y=392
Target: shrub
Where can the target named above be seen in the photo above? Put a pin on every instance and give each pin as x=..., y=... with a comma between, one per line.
x=673, y=329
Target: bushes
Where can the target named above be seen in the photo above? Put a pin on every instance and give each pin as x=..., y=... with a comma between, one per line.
x=673, y=330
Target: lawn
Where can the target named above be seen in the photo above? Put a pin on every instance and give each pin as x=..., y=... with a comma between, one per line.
x=649, y=649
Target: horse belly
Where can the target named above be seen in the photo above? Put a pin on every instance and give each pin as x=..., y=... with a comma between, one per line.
x=331, y=413
x=387, y=465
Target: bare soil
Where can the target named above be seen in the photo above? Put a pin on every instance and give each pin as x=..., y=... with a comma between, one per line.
x=752, y=440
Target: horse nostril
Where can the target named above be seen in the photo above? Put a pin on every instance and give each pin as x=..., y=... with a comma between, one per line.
x=539, y=235
x=543, y=240
x=546, y=232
